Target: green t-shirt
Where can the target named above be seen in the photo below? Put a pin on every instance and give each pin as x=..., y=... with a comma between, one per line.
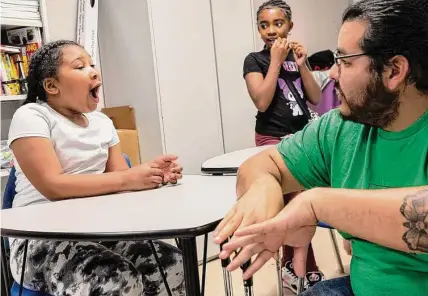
x=332, y=152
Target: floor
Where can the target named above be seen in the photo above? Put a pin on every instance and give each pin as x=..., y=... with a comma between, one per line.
x=265, y=283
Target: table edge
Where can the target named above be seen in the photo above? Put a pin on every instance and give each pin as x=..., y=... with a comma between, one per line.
x=219, y=171
x=112, y=236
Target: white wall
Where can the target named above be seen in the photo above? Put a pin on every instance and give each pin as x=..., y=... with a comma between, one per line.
x=234, y=40
x=62, y=23
x=316, y=22
x=62, y=18
x=187, y=77
x=127, y=67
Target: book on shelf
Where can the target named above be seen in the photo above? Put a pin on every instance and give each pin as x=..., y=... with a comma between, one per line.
x=24, y=36
x=15, y=58
x=12, y=7
x=20, y=9
x=21, y=2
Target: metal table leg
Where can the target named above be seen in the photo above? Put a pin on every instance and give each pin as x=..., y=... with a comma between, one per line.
x=190, y=263
x=162, y=272
x=204, y=264
x=24, y=260
x=5, y=269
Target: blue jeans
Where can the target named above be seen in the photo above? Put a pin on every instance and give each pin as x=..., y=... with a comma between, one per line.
x=335, y=287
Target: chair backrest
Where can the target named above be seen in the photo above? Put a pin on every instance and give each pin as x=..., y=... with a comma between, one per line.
x=9, y=191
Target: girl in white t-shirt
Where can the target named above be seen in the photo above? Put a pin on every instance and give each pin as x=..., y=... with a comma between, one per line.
x=64, y=149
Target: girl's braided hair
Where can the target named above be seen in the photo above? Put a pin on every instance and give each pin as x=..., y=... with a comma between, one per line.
x=44, y=64
x=275, y=4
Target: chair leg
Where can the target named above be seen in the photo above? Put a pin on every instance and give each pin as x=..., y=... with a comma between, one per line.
x=248, y=284
x=227, y=277
x=177, y=242
x=24, y=261
x=162, y=272
x=336, y=251
x=300, y=285
x=4, y=285
x=279, y=274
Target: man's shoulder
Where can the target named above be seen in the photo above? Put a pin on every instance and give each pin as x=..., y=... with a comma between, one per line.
x=331, y=129
x=328, y=129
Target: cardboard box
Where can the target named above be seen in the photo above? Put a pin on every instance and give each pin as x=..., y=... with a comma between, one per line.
x=123, y=118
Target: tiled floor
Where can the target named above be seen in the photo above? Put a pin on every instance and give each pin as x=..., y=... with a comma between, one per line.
x=265, y=283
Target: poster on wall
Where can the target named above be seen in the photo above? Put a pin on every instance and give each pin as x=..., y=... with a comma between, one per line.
x=87, y=26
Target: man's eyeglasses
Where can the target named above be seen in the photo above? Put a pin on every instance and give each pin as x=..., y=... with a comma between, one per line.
x=338, y=57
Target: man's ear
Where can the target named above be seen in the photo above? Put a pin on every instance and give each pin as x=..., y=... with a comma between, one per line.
x=396, y=73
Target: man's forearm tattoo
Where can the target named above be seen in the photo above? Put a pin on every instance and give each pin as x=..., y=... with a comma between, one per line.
x=415, y=210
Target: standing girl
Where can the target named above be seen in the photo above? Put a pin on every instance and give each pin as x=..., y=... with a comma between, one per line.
x=267, y=74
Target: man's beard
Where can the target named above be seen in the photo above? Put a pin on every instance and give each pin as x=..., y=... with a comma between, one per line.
x=375, y=106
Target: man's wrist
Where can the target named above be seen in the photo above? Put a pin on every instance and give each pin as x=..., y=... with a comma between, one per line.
x=317, y=198
x=270, y=187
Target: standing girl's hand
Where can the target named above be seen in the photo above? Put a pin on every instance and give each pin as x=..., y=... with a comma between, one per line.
x=300, y=53
x=279, y=50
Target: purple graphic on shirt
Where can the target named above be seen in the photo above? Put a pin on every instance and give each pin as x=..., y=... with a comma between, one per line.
x=288, y=95
x=290, y=66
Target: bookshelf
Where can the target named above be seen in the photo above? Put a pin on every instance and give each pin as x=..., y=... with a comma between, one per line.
x=19, y=20
x=12, y=23
x=12, y=98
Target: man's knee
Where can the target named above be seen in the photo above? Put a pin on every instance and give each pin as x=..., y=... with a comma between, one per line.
x=335, y=287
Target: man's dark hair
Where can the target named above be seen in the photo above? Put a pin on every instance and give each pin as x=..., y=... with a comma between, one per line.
x=395, y=27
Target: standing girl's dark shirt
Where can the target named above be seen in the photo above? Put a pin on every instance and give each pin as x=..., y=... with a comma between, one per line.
x=283, y=116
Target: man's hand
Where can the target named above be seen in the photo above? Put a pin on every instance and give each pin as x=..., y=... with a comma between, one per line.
x=172, y=171
x=294, y=226
x=262, y=201
x=300, y=53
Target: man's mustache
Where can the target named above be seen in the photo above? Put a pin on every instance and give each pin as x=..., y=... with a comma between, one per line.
x=338, y=88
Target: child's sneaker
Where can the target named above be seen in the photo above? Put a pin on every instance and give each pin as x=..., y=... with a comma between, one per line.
x=289, y=278
x=313, y=277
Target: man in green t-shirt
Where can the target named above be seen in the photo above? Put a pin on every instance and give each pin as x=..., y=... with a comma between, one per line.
x=365, y=165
